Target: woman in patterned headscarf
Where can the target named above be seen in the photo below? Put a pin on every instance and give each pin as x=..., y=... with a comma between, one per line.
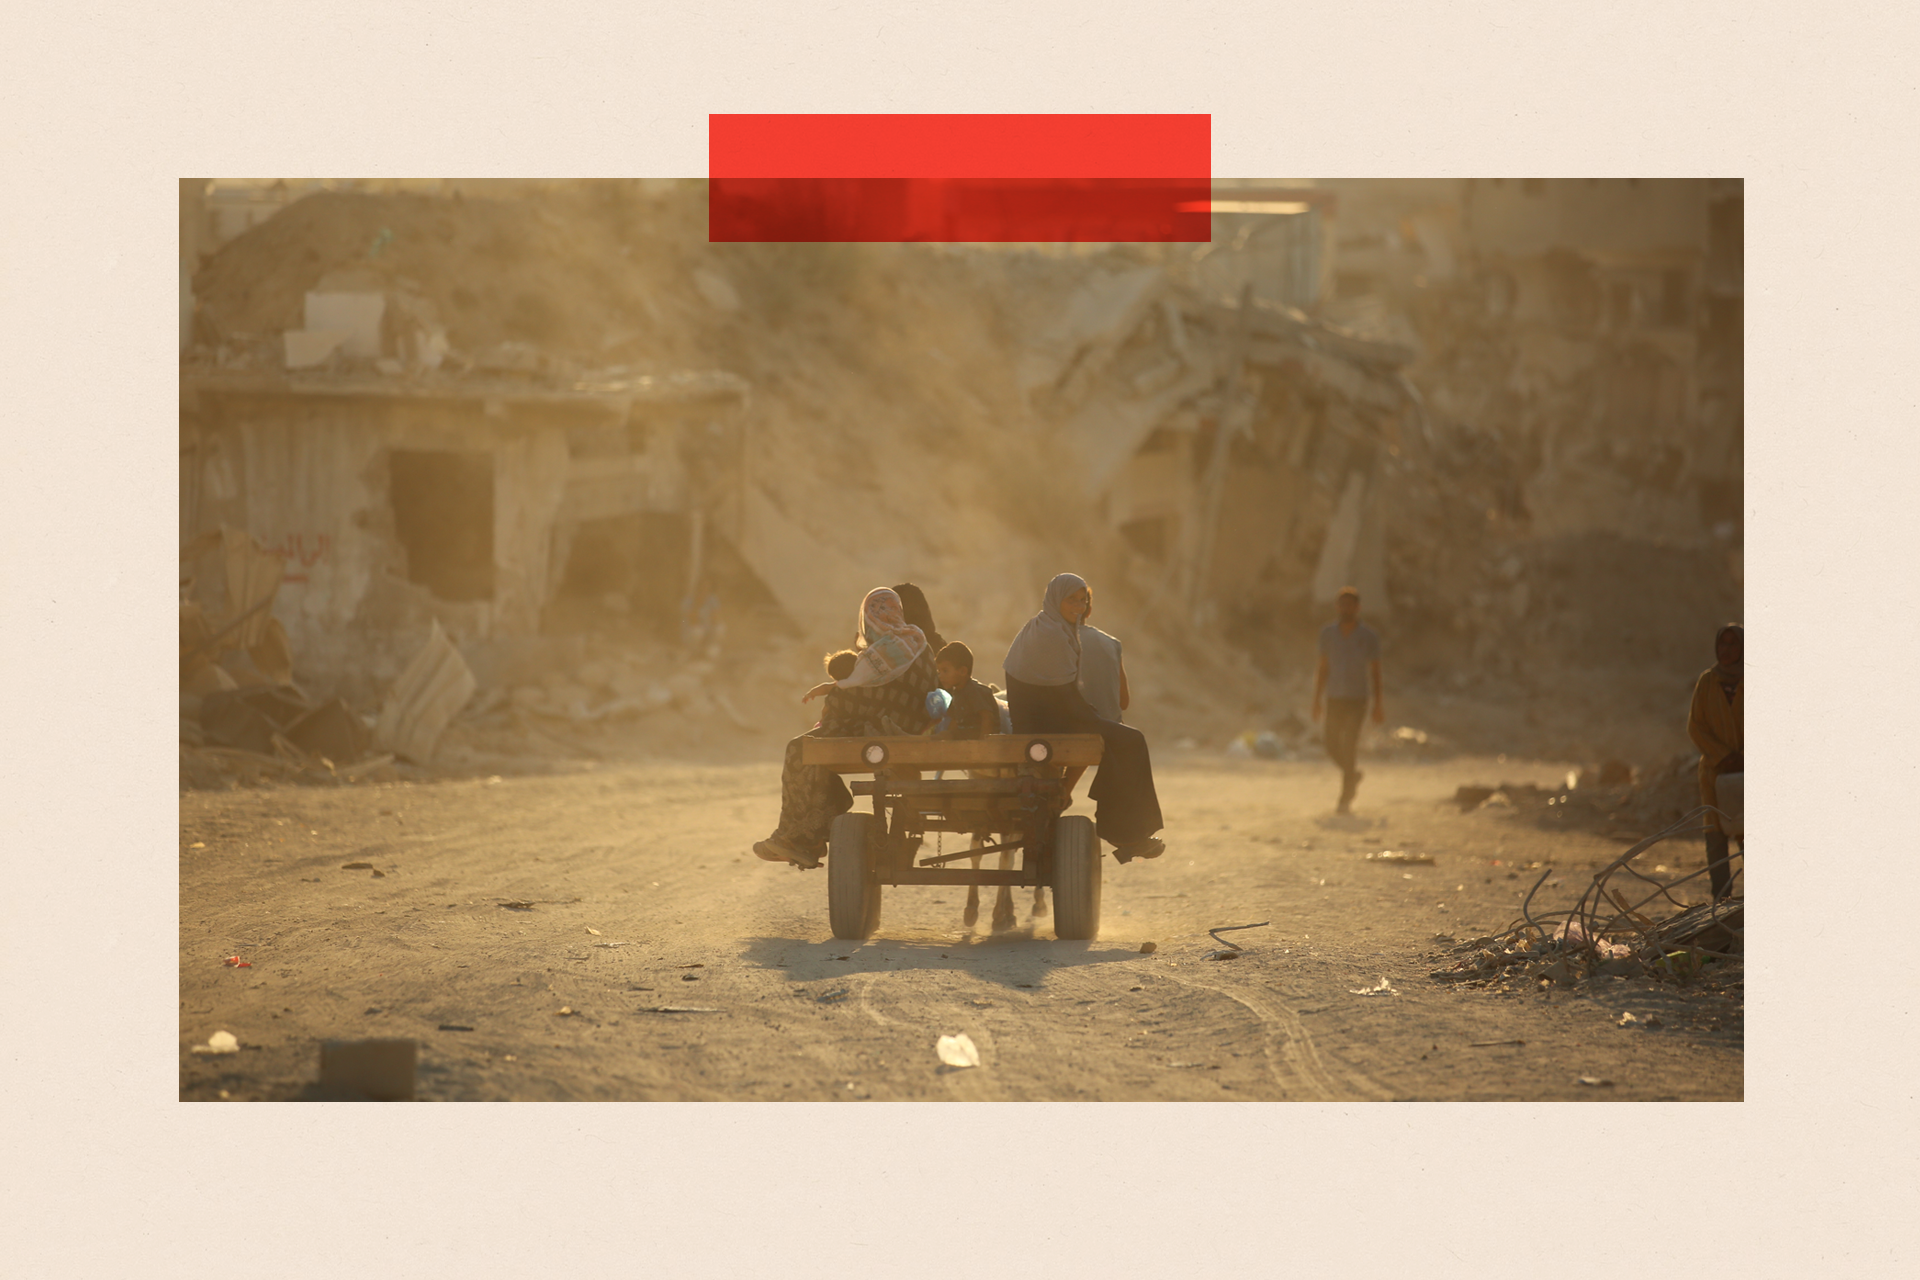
x=1043, y=693
x=886, y=693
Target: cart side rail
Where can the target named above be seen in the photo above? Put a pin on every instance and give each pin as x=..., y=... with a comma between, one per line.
x=849, y=755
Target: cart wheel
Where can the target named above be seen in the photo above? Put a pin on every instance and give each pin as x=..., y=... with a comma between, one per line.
x=1076, y=878
x=853, y=887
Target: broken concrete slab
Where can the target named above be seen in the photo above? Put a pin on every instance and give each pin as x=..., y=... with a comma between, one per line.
x=253, y=579
x=249, y=718
x=330, y=731
x=426, y=697
x=305, y=348
x=357, y=315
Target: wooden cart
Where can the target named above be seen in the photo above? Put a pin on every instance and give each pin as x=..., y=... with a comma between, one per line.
x=1021, y=809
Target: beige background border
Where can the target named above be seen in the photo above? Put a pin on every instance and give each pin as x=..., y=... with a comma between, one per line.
x=108, y=1175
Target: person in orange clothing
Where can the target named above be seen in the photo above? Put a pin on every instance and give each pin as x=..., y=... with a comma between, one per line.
x=1717, y=724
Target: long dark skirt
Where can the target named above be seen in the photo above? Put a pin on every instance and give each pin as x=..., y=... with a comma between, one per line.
x=810, y=799
x=1127, y=808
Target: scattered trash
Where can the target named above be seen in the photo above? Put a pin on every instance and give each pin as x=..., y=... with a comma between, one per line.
x=595, y=932
x=1231, y=946
x=1626, y=1020
x=517, y=906
x=689, y=977
x=957, y=1051
x=1395, y=855
x=219, y=1042
x=835, y=997
x=235, y=962
x=1489, y=1044
x=1024, y=985
x=1380, y=988
x=1136, y=988
x=611, y=945
x=1596, y=1082
x=1680, y=964
x=676, y=1008
x=356, y=866
x=198, y=844
x=1223, y=955
x=985, y=1003
x=566, y=1011
x=453, y=1026
x=697, y=965
x=1148, y=948
x=1560, y=971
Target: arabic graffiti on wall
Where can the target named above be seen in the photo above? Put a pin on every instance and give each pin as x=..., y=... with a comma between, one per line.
x=301, y=551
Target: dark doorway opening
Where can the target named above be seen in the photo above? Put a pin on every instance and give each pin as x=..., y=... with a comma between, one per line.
x=1148, y=536
x=642, y=556
x=443, y=516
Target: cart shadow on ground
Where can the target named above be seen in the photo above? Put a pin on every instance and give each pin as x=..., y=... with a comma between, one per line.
x=1018, y=958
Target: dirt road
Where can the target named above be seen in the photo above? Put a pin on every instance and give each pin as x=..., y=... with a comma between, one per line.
x=522, y=928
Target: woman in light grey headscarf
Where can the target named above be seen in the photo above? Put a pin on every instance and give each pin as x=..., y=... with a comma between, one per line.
x=1043, y=693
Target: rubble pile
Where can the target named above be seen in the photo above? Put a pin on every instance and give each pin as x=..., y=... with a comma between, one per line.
x=1612, y=798
x=1615, y=928
x=578, y=276
x=978, y=420
x=1688, y=950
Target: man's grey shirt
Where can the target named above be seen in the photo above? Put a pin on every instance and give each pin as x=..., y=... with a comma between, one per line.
x=1100, y=671
x=1347, y=658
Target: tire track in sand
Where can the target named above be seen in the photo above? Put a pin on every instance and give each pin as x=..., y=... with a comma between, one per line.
x=1322, y=1082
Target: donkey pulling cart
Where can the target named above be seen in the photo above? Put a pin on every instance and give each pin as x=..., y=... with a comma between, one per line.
x=1008, y=798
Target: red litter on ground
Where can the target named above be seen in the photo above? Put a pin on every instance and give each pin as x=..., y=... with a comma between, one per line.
x=235, y=962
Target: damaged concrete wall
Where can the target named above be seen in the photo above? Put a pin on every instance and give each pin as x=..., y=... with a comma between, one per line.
x=314, y=478
x=1522, y=217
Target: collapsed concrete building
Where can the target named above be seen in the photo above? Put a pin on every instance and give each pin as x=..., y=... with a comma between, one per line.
x=1510, y=412
x=1443, y=392
x=1596, y=323
x=479, y=501
x=1205, y=424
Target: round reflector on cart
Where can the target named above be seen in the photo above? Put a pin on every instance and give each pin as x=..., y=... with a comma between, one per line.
x=874, y=753
x=1039, y=751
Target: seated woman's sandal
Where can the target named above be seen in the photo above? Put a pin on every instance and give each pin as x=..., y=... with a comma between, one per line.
x=1151, y=847
x=774, y=849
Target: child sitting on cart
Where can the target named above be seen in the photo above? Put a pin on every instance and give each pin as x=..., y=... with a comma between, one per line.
x=839, y=666
x=975, y=712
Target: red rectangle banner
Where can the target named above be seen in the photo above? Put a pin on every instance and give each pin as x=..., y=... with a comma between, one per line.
x=959, y=177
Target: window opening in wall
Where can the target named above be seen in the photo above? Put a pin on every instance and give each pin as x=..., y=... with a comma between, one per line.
x=443, y=516
x=1148, y=537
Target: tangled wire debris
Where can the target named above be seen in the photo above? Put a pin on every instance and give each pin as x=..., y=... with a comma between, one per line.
x=1604, y=933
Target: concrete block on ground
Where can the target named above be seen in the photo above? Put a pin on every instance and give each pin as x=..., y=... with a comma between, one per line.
x=380, y=1069
x=304, y=348
x=358, y=315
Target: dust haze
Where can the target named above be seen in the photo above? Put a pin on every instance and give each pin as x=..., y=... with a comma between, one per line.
x=516, y=518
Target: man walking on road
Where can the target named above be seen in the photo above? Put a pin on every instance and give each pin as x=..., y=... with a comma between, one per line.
x=1349, y=666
